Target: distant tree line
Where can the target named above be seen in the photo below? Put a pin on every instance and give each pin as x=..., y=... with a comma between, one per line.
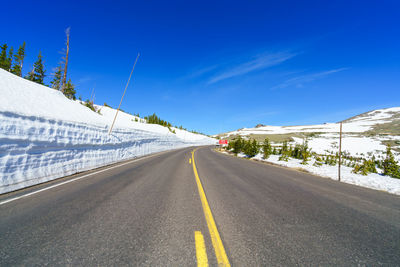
x=388, y=165
x=14, y=63
x=154, y=119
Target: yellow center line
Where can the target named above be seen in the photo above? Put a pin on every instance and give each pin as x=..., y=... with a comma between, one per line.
x=219, y=249
x=201, y=254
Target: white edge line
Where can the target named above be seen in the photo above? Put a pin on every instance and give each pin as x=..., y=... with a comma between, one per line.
x=72, y=180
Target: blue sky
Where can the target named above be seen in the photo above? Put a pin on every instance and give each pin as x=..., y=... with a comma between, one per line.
x=215, y=66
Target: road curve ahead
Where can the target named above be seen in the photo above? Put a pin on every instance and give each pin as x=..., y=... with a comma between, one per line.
x=180, y=208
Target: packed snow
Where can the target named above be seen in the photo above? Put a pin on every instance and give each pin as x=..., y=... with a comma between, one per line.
x=44, y=135
x=355, y=146
x=372, y=180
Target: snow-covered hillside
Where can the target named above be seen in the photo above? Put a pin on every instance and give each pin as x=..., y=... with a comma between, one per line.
x=44, y=135
x=357, y=124
x=363, y=135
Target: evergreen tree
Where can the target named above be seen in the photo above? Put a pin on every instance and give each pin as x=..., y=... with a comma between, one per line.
x=19, y=60
x=3, y=57
x=9, y=59
x=87, y=103
x=284, y=152
x=154, y=119
x=368, y=166
x=305, y=152
x=237, y=145
x=69, y=90
x=284, y=147
x=255, y=148
x=318, y=161
x=267, y=149
x=390, y=166
x=247, y=148
x=31, y=75
x=56, y=82
x=296, y=152
x=251, y=148
x=39, y=71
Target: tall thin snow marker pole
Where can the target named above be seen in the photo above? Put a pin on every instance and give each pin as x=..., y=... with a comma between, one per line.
x=340, y=149
x=116, y=113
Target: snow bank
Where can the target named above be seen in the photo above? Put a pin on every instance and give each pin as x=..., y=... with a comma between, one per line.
x=44, y=135
x=372, y=180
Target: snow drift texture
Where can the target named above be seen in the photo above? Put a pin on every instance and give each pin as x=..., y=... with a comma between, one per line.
x=44, y=135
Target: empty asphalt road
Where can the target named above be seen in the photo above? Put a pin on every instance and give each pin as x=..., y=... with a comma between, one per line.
x=157, y=211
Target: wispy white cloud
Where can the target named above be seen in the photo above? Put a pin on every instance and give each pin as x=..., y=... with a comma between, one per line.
x=257, y=63
x=300, y=80
x=201, y=72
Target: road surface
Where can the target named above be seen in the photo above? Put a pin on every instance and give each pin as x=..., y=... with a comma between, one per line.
x=156, y=211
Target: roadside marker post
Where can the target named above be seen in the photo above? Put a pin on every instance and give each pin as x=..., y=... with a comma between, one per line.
x=112, y=125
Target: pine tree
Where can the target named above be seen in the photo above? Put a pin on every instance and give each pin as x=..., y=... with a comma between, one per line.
x=31, y=75
x=237, y=145
x=10, y=59
x=296, y=152
x=69, y=90
x=305, y=152
x=255, y=148
x=3, y=57
x=19, y=60
x=284, y=152
x=284, y=148
x=390, y=166
x=247, y=148
x=56, y=82
x=251, y=148
x=368, y=166
x=39, y=71
x=267, y=149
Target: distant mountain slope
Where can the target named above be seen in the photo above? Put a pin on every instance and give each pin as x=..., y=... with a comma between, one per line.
x=366, y=133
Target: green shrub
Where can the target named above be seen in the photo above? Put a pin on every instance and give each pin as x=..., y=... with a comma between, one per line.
x=284, y=156
x=390, y=165
x=368, y=166
x=89, y=104
x=251, y=148
x=267, y=149
x=237, y=145
x=318, y=161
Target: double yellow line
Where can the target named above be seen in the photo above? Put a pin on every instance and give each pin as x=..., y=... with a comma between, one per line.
x=219, y=249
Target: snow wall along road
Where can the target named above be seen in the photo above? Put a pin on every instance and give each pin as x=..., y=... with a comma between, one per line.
x=44, y=135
